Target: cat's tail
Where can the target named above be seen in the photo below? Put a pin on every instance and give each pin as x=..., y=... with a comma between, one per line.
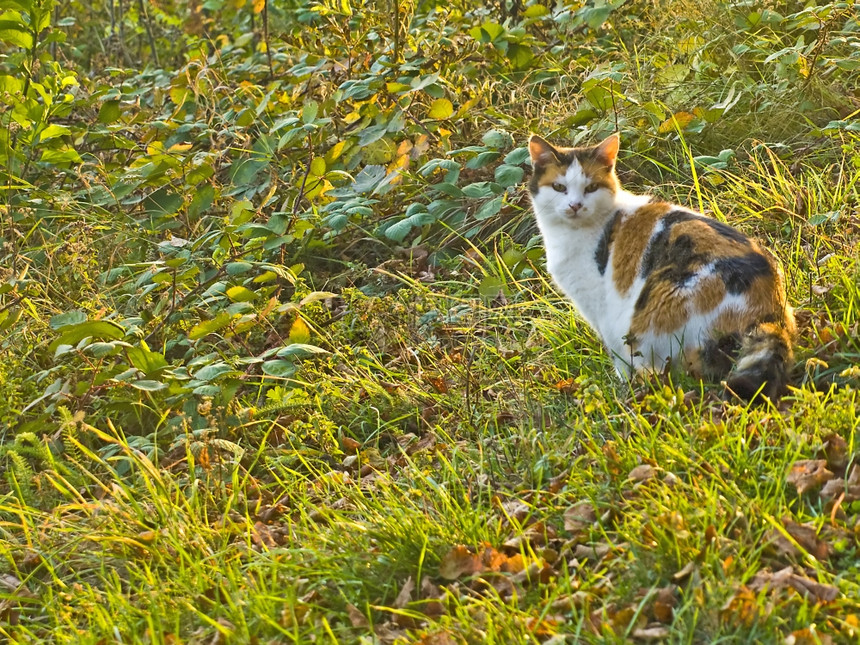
x=764, y=362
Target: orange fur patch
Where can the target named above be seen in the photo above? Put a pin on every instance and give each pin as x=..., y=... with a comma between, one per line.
x=630, y=241
x=709, y=293
x=707, y=240
x=551, y=173
x=664, y=313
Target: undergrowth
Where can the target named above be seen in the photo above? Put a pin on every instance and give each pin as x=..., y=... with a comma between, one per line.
x=280, y=360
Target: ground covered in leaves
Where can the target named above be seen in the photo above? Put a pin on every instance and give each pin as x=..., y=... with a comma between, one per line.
x=280, y=360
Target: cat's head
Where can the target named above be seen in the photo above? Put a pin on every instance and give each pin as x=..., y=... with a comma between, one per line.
x=573, y=186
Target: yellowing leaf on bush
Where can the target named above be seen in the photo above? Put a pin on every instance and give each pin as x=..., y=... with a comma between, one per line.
x=258, y=5
x=683, y=119
x=300, y=332
x=335, y=151
x=318, y=167
x=441, y=109
x=179, y=147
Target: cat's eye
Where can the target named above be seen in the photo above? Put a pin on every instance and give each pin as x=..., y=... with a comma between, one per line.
x=591, y=188
x=559, y=187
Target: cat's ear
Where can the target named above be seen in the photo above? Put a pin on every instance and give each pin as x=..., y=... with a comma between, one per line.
x=540, y=151
x=607, y=151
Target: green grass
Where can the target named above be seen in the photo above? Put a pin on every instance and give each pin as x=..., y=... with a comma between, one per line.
x=278, y=544
x=453, y=460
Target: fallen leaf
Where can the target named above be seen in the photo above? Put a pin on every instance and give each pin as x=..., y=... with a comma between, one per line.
x=535, y=572
x=432, y=596
x=262, y=536
x=664, y=604
x=579, y=517
x=437, y=638
x=684, y=573
x=765, y=581
x=836, y=452
x=642, y=473
x=350, y=445
x=807, y=636
x=458, y=562
x=808, y=474
x=810, y=589
x=515, y=510
x=595, y=552
x=405, y=595
x=807, y=537
x=567, y=386
x=651, y=634
x=741, y=607
x=438, y=383
x=535, y=535
x=426, y=442
x=357, y=619
x=558, y=482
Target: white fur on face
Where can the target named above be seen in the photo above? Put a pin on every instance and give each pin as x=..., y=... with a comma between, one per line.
x=555, y=207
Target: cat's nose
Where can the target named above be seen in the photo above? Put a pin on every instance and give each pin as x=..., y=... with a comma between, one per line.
x=574, y=208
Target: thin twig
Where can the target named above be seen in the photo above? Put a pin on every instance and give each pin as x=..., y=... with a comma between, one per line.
x=148, y=22
x=266, y=38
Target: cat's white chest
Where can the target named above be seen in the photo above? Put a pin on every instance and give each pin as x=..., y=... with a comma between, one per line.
x=570, y=256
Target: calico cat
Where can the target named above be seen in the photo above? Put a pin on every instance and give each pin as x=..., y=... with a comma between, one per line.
x=660, y=282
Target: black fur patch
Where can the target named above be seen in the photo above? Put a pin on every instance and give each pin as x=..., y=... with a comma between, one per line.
x=601, y=254
x=659, y=247
x=768, y=376
x=660, y=252
x=718, y=355
x=739, y=273
x=562, y=160
x=676, y=263
x=727, y=231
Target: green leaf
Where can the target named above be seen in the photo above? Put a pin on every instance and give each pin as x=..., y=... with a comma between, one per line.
x=67, y=319
x=441, y=109
x=489, y=209
x=482, y=190
x=209, y=372
x=162, y=202
x=64, y=155
x=148, y=362
x=53, y=131
x=101, y=329
x=15, y=33
x=498, y=139
x=318, y=167
x=309, y=111
x=279, y=368
x=300, y=350
x=201, y=329
x=11, y=84
x=517, y=156
x=147, y=385
x=519, y=55
x=673, y=74
x=509, y=175
x=483, y=159
x=109, y=112
x=240, y=294
x=237, y=268
x=535, y=11
x=487, y=33
x=299, y=331
x=596, y=16
x=490, y=287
